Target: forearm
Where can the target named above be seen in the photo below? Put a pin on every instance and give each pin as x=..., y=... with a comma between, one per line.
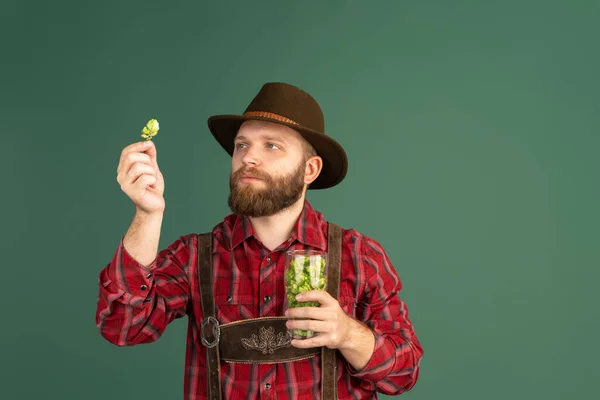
x=359, y=346
x=142, y=237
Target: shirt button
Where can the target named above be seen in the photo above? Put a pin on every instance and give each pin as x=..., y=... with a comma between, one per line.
x=143, y=287
x=268, y=386
x=149, y=275
x=268, y=259
x=267, y=298
x=229, y=298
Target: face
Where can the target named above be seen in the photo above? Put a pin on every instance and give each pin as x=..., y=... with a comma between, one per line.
x=270, y=169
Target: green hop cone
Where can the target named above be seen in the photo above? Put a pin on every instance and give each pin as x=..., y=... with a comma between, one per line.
x=304, y=273
x=150, y=130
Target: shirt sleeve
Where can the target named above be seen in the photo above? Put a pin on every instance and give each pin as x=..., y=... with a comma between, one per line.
x=137, y=302
x=394, y=365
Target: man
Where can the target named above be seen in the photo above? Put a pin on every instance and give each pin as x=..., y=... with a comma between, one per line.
x=279, y=151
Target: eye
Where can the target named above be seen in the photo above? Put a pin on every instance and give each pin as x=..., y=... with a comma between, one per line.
x=239, y=145
x=272, y=146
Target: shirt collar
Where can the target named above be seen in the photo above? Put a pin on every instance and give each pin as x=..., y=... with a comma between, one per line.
x=308, y=229
x=242, y=230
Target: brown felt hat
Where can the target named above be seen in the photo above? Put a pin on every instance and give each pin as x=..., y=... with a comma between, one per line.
x=288, y=105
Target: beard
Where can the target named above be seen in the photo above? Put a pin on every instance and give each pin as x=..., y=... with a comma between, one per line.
x=278, y=194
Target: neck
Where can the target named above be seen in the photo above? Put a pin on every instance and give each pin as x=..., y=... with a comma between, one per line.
x=275, y=229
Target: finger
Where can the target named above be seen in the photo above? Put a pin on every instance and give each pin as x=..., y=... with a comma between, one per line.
x=321, y=314
x=138, y=147
x=317, y=295
x=144, y=181
x=140, y=157
x=309, y=325
x=159, y=185
x=150, y=149
x=317, y=341
x=137, y=170
x=132, y=158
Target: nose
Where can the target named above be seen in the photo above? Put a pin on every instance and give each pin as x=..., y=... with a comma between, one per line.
x=251, y=157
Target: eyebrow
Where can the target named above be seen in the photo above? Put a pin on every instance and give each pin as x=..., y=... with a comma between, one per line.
x=268, y=138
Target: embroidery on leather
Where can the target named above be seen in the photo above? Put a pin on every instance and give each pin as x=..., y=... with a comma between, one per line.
x=267, y=342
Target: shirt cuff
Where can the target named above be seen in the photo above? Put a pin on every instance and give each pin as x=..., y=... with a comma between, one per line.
x=129, y=275
x=381, y=362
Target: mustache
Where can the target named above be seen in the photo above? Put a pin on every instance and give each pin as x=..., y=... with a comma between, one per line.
x=237, y=175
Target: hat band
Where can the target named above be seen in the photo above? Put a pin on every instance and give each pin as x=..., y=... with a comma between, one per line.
x=270, y=115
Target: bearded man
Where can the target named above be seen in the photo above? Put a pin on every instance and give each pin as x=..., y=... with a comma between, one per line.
x=230, y=281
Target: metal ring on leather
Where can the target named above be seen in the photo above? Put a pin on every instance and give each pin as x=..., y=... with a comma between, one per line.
x=217, y=331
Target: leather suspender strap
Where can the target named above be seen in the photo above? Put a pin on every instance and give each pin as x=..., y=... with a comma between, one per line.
x=328, y=356
x=210, y=337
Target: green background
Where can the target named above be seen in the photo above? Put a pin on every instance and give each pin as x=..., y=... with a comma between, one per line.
x=472, y=129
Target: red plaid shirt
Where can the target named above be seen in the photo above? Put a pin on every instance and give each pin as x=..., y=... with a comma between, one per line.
x=136, y=304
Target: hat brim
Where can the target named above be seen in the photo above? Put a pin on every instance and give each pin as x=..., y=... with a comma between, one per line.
x=335, y=161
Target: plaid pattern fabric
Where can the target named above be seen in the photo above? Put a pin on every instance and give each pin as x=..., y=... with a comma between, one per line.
x=136, y=303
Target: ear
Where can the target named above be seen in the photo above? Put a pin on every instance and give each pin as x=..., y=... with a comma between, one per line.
x=313, y=169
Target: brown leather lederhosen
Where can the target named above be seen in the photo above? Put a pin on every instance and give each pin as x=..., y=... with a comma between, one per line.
x=260, y=340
